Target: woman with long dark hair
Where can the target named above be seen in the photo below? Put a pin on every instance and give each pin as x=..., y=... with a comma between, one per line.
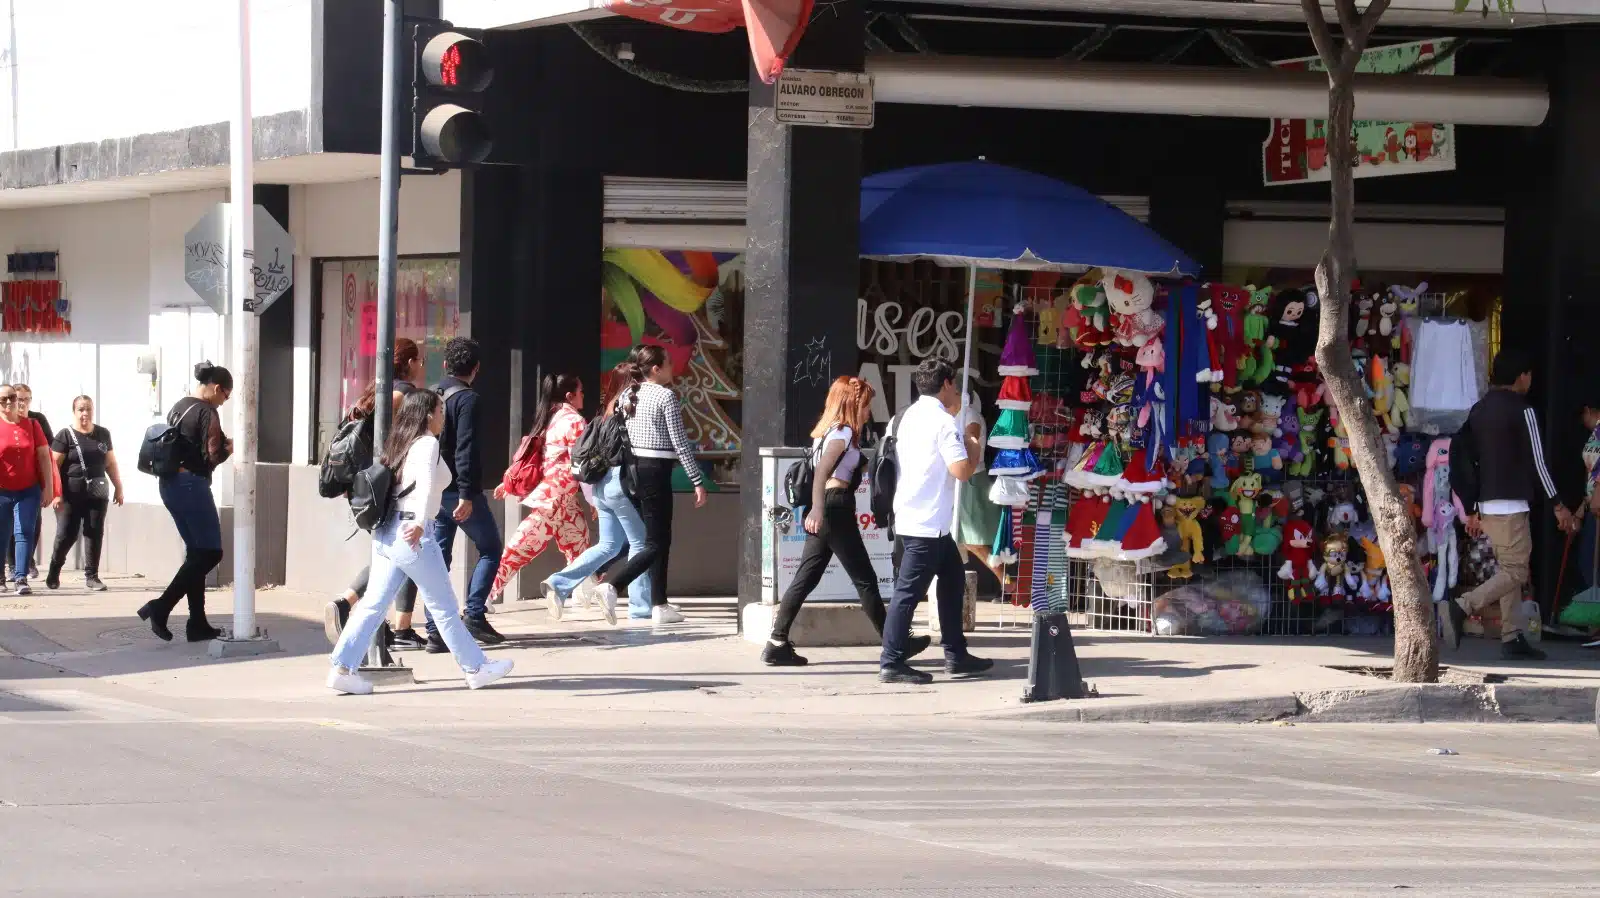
x=555, y=508
x=26, y=480
x=187, y=496
x=407, y=373
x=659, y=441
x=90, y=483
x=620, y=523
x=402, y=547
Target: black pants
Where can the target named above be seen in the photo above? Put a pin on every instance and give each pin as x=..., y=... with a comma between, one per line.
x=922, y=559
x=654, y=479
x=839, y=535
x=83, y=513
x=190, y=582
x=405, y=602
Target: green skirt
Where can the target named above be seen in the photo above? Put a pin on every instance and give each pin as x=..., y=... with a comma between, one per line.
x=979, y=517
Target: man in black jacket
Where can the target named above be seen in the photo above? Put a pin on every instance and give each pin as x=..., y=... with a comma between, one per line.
x=1498, y=471
x=464, y=504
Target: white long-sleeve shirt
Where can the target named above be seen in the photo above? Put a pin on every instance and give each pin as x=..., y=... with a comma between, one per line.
x=425, y=472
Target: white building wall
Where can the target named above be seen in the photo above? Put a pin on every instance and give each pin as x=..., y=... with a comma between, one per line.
x=86, y=70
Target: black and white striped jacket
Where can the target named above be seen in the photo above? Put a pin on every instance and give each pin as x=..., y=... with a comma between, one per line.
x=656, y=428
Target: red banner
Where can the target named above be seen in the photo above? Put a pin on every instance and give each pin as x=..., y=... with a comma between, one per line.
x=33, y=307
x=774, y=26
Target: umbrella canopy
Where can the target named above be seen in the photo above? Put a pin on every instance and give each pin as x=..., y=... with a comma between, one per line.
x=979, y=213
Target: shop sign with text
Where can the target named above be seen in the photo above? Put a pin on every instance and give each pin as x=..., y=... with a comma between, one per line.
x=817, y=97
x=1296, y=150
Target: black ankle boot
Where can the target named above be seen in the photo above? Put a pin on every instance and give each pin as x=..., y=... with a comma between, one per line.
x=201, y=630
x=157, y=619
x=781, y=655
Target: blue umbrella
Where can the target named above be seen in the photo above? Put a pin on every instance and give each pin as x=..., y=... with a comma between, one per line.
x=979, y=213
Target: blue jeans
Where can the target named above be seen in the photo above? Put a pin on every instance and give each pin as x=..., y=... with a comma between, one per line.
x=20, y=508
x=620, y=525
x=484, y=532
x=922, y=559
x=188, y=499
x=1586, y=549
x=394, y=560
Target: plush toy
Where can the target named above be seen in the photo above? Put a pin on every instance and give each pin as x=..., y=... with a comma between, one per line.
x=1088, y=324
x=1243, y=493
x=1362, y=328
x=1410, y=454
x=1190, y=537
x=1238, y=454
x=1257, y=361
x=1310, y=434
x=1339, y=442
x=1266, y=537
x=1217, y=449
x=1264, y=459
x=1298, y=568
x=1354, y=578
x=1131, y=296
x=1249, y=403
x=1342, y=516
x=1224, y=415
x=1399, y=401
x=1408, y=301
x=1226, y=339
x=1270, y=418
x=1206, y=309
x=1386, y=342
x=1230, y=531
x=1408, y=497
x=1330, y=576
x=1292, y=335
x=1441, y=508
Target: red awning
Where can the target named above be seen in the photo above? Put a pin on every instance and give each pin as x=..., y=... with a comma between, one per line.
x=774, y=26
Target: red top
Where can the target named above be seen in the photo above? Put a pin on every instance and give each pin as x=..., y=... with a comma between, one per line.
x=19, y=459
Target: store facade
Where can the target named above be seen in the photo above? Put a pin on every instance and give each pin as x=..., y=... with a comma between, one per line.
x=619, y=165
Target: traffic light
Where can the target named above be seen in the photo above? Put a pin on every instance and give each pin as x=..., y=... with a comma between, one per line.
x=451, y=71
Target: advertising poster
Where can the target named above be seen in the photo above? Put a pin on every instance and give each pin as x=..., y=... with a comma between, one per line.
x=1296, y=150
x=835, y=585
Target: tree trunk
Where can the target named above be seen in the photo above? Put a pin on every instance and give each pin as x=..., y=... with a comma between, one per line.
x=1416, y=650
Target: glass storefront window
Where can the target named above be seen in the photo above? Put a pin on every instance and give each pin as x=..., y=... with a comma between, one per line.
x=427, y=310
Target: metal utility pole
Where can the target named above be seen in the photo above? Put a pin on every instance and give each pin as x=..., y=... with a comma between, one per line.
x=388, y=217
x=246, y=330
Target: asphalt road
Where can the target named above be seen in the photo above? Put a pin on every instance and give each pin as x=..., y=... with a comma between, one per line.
x=104, y=796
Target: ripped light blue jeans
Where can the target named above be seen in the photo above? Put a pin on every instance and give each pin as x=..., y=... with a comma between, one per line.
x=393, y=561
x=620, y=526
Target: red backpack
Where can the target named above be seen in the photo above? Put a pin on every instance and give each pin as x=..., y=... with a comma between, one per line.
x=527, y=467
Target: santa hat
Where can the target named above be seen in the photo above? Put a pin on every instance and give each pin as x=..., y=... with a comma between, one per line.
x=1019, y=463
x=1004, y=548
x=1140, y=476
x=1010, y=429
x=1016, y=359
x=1107, y=539
x=1107, y=470
x=1015, y=394
x=1083, y=522
x=1083, y=466
x=1142, y=538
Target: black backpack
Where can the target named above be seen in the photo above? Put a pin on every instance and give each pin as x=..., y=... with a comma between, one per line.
x=370, y=497
x=164, y=447
x=603, y=446
x=885, y=473
x=348, y=454
x=800, y=479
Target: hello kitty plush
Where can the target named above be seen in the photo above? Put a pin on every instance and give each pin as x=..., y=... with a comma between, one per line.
x=1131, y=295
x=1441, y=508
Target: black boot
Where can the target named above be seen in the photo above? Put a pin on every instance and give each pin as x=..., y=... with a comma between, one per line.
x=1519, y=649
x=52, y=580
x=149, y=611
x=201, y=630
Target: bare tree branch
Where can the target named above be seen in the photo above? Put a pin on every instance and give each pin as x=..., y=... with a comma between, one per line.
x=1423, y=66
x=1321, y=34
x=1236, y=49
x=1093, y=42
x=1369, y=19
x=1349, y=18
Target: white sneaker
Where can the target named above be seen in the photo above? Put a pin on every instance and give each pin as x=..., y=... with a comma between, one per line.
x=584, y=594
x=347, y=681
x=666, y=614
x=488, y=673
x=548, y=589
x=606, y=595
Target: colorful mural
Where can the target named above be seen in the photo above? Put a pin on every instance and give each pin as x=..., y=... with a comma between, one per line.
x=691, y=304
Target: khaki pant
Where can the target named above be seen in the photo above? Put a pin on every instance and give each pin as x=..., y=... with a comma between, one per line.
x=1513, y=544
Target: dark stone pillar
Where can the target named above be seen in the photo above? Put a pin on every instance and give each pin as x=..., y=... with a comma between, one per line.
x=275, y=411
x=491, y=210
x=1552, y=275
x=801, y=279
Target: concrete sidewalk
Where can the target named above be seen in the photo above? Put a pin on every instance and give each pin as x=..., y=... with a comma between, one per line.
x=584, y=666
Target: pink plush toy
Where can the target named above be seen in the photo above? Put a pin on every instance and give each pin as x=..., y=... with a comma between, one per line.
x=1441, y=508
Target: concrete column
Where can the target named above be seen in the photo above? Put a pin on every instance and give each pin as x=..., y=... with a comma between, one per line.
x=800, y=268
x=1552, y=280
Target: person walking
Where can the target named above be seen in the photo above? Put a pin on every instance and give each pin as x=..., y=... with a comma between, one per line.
x=1589, y=509
x=465, y=506
x=402, y=547
x=621, y=526
x=659, y=441
x=555, y=506
x=408, y=371
x=830, y=522
x=1498, y=471
x=187, y=495
x=24, y=395
x=932, y=456
x=90, y=483
x=27, y=479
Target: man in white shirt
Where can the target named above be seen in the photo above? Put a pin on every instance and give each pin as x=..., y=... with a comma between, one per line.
x=932, y=457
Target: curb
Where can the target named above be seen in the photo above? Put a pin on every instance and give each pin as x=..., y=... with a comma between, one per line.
x=1430, y=703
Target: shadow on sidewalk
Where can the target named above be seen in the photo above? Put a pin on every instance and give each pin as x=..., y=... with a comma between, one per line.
x=117, y=646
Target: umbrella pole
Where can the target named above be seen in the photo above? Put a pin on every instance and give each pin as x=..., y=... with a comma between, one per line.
x=966, y=397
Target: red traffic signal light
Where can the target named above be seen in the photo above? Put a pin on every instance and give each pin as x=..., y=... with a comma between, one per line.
x=452, y=72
